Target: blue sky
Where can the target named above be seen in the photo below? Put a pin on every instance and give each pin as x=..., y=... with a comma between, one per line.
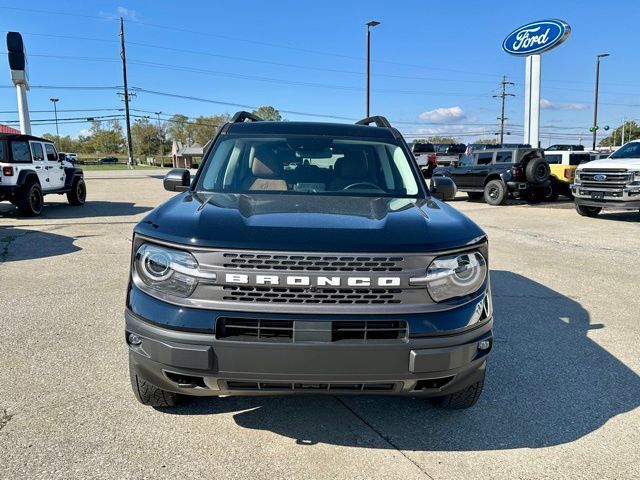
x=435, y=65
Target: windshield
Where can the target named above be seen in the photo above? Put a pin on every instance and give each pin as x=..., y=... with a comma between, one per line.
x=309, y=165
x=630, y=150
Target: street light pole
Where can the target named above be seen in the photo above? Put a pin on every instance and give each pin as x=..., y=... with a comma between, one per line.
x=595, y=101
x=370, y=24
x=55, y=100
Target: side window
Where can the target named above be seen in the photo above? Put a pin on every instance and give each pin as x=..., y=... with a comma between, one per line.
x=20, y=152
x=485, y=158
x=36, y=150
x=52, y=156
x=555, y=159
x=504, y=157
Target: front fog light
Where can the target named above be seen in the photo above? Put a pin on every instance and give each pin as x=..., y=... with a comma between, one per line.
x=484, y=345
x=134, y=339
x=456, y=275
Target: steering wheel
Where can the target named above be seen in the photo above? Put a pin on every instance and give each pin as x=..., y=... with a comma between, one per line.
x=362, y=184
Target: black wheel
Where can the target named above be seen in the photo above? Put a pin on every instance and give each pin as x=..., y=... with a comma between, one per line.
x=78, y=193
x=475, y=195
x=148, y=394
x=588, y=211
x=552, y=193
x=463, y=399
x=495, y=192
x=537, y=171
x=29, y=200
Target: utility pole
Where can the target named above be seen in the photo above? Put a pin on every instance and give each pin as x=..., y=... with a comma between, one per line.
x=624, y=120
x=126, y=93
x=503, y=96
x=160, y=136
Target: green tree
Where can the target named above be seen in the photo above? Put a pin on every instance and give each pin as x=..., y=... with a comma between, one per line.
x=147, y=137
x=631, y=132
x=105, y=140
x=486, y=141
x=177, y=128
x=202, y=129
x=64, y=143
x=269, y=113
x=438, y=139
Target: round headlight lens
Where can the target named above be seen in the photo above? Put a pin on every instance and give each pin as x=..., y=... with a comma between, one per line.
x=166, y=270
x=456, y=275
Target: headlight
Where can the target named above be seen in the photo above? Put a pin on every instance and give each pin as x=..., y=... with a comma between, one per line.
x=168, y=270
x=636, y=176
x=456, y=275
x=576, y=179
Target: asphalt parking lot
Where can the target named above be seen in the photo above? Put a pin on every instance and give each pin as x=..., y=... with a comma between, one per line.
x=561, y=399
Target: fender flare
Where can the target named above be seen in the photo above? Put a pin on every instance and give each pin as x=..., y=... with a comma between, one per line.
x=25, y=175
x=71, y=174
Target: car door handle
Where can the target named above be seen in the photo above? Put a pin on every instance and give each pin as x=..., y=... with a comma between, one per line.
x=38, y=168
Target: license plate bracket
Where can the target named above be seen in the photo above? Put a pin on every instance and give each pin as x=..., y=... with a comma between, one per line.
x=597, y=195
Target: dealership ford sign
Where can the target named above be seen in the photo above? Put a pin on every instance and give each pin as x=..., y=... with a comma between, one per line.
x=536, y=37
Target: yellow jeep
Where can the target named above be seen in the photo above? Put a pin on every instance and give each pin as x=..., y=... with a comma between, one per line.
x=563, y=164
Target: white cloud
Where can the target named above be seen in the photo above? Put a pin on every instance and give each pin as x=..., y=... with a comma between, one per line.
x=571, y=106
x=124, y=12
x=444, y=115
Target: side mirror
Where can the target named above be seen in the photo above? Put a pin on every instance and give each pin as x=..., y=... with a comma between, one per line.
x=177, y=180
x=443, y=188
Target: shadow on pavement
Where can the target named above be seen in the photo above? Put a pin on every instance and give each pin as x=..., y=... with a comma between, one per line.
x=547, y=384
x=61, y=210
x=18, y=244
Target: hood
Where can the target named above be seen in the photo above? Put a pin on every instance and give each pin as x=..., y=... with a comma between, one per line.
x=606, y=163
x=309, y=223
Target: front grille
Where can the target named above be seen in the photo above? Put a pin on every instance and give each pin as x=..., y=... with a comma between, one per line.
x=313, y=263
x=300, y=331
x=329, y=387
x=349, y=296
x=365, y=331
x=616, y=178
x=255, y=330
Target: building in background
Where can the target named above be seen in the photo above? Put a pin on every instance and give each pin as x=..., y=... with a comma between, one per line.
x=7, y=129
x=186, y=156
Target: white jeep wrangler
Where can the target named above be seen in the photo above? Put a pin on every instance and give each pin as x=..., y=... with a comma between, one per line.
x=30, y=168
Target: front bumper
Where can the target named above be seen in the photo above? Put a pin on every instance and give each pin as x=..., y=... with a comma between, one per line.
x=624, y=198
x=201, y=364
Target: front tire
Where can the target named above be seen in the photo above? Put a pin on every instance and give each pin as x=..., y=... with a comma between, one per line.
x=78, y=193
x=30, y=199
x=588, y=211
x=495, y=192
x=466, y=398
x=148, y=394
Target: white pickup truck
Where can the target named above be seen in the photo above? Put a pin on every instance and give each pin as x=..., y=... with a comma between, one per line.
x=613, y=182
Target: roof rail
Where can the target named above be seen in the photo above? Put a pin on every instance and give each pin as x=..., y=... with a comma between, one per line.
x=243, y=116
x=378, y=120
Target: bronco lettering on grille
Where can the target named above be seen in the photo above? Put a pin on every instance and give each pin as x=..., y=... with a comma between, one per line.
x=307, y=281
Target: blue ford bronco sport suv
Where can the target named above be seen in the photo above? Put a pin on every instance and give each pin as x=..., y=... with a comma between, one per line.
x=308, y=258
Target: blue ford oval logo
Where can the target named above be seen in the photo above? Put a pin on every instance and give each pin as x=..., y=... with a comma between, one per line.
x=599, y=177
x=536, y=37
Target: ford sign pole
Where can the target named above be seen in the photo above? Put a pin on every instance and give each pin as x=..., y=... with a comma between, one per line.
x=20, y=77
x=530, y=41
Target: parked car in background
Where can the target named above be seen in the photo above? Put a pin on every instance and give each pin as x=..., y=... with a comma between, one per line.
x=613, y=182
x=448, y=153
x=563, y=164
x=492, y=146
x=425, y=155
x=107, y=160
x=30, y=168
x=496, y=174
x=565, y=147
